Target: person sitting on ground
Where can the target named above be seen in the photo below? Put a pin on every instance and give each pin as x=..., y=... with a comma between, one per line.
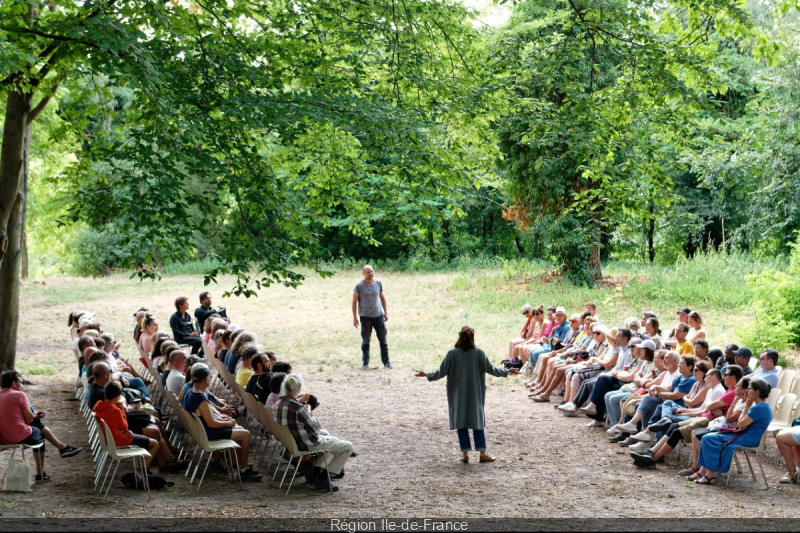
x=21, y=425
x=528, y=331
x=205, y=310
x=112, y=411
x=240, y=338
x=717, y=449
x=176, y=378
x=218, y=426
x=182, y=326
x=291, y=412
x=767, y=371
x=245, y=369
x=715, y=405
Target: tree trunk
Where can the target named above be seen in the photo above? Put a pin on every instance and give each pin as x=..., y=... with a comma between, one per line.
x=651, y=231
x=594, y=263
x=24, y=241
x=12, y=160
x=13, y=185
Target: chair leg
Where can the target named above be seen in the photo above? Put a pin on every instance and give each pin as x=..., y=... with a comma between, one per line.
x=210, y=456
x=197, y=466
x=238, y=472
x=293, y=475
x=288, y=467
x=110, y=481
x=761, y=467
x=749, y=464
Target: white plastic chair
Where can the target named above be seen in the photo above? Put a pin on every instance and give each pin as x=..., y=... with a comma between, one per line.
x=283, y=434
x=117, y=454
x=757, y=451
x=212, y=446
x=22, y=448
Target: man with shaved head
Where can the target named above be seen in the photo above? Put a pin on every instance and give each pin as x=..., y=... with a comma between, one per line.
x=369, y=305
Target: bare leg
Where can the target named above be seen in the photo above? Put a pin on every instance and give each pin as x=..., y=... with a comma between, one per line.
x=789, y=450
x=38, y=458
x=51, y=438
x=242, y=437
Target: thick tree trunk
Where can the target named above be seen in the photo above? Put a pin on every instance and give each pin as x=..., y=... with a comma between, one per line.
x=12, y=160
x=13, y=176
x=594, y=263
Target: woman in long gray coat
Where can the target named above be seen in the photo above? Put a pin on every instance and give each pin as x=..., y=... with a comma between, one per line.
x=466, y=367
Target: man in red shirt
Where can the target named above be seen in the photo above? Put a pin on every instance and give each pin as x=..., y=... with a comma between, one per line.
x=22, y=426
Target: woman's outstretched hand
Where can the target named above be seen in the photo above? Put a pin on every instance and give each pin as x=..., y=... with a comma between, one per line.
x=421, y=374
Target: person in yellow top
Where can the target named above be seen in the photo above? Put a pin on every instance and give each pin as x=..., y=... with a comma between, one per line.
x=246, y=370
x=684, y=347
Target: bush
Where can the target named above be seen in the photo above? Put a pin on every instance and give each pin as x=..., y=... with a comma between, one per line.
x=777, y=304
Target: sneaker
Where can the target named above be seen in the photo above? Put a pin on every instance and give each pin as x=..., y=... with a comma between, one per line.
x=324, y=484
x=250, y=475
x=69, y=451
x=617, y=438
x=364, y=367
x=595, y=424
x=562, y=402
x=588, y=411
x=627, y=442
x=340, y=475
x=640, y=446
x=568, y=407
x=661, y=425
x=642, y=437
x=627, y=428
x=612, y=430
x=44, y=478
x=388, y=365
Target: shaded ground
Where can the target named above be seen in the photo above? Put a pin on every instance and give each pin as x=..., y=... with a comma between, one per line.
x=547, y=465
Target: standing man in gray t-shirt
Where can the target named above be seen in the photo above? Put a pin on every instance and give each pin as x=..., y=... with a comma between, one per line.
x=370, y=304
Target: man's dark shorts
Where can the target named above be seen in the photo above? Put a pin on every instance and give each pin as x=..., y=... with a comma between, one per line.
x=34, y=438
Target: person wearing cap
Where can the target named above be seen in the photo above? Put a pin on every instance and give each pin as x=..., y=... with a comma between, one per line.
x=218, y=426
x=528, y=331
x=741, y=357
x=683, y=318
x=767, y=362
x=552, y=341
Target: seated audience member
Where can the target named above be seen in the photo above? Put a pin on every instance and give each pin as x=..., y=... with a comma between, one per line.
x=225, y=343
x=21, y=425
x=176, y=378
x=162, y=348
x=138, y=316
x=275, y=384
x=101, y=374
x=240, y=338
x=206, y=327
x=553, y=340
x=614, y=390
x=700, y=349
x=632, y=323
x=260, y=364
x=205, y=310
x=680, y=370
x=290, y=411
x=557, y=366
x=766, y=370
x=696, y=331
x=182, y=327
x=683, y=345
x=716, y=356
x=683, y=318
x=741, y=357
x=217, y=425
x=612, y=379
x=112, y=410
x=591, y=308
x=717, y=449
x=571, y=340
x=714, y=407
x=527, y=332
x=593, y=367
x=523, y=350
x=147, y=328
x=218, y=327
x=245, y=369
x=788, y=441
x=653, y=332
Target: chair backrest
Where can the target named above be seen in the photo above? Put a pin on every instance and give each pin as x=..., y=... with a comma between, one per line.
x=785, y=409
x=795, y=388
x=111, y=446
x=267, y=416
x=786, y=380
x=774, y=396
x=251, y=402
x=101, y=432
x=285, y=437
x=207, y=351
x=188, y=424
x=200, y=430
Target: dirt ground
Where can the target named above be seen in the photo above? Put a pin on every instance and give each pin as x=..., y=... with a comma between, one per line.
x=408, y=464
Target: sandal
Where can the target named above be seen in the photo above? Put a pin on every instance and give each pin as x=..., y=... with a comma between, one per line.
x=688, y=471
x=788, y=478
x=695, y=476
x=705, y=480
